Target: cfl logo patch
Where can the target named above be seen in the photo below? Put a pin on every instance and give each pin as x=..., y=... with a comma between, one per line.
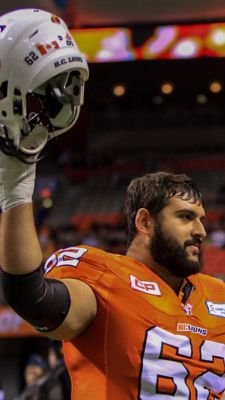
x=145, y=286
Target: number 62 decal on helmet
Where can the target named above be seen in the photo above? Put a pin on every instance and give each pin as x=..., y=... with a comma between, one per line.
x=42, y=77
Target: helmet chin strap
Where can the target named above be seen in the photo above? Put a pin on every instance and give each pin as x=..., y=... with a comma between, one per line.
x=8, y=147
x=34, y=142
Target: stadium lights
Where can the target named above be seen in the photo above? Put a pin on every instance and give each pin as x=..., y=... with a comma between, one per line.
x=215, y=87
x=167, y=88
x=218, y=36
x=47, y=203
x=201, y=98
x=119, y=90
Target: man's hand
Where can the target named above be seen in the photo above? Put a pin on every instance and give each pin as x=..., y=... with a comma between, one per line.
x=16, y=182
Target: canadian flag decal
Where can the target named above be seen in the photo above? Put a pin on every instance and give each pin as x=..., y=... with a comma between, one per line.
x=145, y=286
x=43, y=48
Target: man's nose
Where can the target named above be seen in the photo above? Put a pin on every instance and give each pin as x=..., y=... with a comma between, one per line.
x=199, y=230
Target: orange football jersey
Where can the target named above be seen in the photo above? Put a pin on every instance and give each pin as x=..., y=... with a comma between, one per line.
x=144, y=342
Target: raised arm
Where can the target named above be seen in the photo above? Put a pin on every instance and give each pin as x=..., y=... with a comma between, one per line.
x=60, y=309
x=39, y=100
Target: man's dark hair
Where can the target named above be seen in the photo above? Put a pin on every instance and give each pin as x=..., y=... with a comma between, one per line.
x=152, y=191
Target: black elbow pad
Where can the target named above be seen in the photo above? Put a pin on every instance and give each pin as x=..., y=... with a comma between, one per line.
x=44, y=303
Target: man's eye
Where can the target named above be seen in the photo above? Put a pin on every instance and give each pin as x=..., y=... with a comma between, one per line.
x=187, y=217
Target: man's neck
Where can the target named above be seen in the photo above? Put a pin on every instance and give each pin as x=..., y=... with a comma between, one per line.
x=144, y=257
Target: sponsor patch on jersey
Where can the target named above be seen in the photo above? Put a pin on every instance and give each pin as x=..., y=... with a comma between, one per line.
x=181, y=327
x=217, y=309
x=145, y=286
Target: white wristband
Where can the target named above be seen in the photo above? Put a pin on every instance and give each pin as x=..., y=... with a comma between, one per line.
x=16, y=182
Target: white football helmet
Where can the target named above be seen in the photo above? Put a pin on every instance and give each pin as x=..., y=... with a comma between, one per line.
x=42, y=75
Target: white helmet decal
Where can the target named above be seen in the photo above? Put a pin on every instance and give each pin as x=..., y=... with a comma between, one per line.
x=42, y=76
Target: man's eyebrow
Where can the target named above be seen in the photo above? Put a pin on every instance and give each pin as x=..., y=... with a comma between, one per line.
x=191, y=212
x=185, y=210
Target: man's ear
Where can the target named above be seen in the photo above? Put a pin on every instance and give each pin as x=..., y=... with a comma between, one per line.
x=143, y=221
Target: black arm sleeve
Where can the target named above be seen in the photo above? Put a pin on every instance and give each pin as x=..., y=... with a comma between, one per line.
x=44, y=303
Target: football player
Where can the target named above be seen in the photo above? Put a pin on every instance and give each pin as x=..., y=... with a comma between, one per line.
x=143, y=325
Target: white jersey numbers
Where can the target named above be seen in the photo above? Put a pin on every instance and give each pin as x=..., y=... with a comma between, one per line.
x=67, y=257
x=167, y=369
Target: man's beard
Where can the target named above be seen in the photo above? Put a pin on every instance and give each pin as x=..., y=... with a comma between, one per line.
x=166, y=251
